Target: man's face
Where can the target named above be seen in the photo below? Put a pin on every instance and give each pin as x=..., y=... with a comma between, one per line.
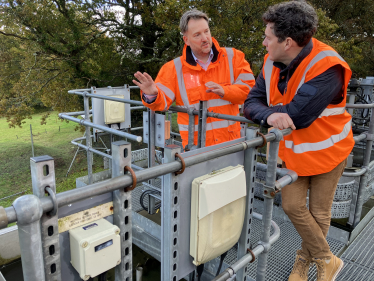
x=198, y=37
x=275, y=49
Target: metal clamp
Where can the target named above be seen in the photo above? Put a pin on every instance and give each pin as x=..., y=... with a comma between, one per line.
x=3, y=218
x=369, y=136
x=269, y=191
x=54, y=201
x=264, y=138
x=131, y=187
x=183, y=164
x=265, y=245
x=253, y=255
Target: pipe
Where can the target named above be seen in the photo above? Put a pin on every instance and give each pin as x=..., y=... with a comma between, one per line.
x=370, y=105
x=77, y=113
x=229, y=272
x=355, y=174
x=139, y=273
x=360, y=138
x=74, y=195
x=102, y=128
x=137, y=107
x=288, y=178
x=92, y=150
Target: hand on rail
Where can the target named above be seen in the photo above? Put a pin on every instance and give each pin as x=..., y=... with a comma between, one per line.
x=215, y=88
x=280, y=121
x=146, y=83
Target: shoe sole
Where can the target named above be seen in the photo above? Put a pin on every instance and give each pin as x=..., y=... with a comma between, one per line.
x=338, y=271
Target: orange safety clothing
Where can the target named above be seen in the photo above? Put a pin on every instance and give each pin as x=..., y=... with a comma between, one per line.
x=320, y=147
x=182, y=81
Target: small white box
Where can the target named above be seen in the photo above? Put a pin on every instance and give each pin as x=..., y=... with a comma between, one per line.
x=95, y=248
x=114, y=111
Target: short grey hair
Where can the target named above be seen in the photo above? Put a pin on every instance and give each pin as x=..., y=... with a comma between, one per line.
x=191, y=14
x=295, y=19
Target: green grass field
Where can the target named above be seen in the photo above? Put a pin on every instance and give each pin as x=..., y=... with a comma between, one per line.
x=52, y=139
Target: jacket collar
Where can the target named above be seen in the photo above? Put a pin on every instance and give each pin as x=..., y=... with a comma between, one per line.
x=188, y=57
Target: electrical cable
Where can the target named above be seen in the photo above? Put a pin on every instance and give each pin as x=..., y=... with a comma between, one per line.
x=102, y=276
x=220, y=263
x=148, y=192
x=200, y=270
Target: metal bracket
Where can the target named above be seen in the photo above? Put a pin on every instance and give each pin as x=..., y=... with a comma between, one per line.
x=269, y=191
x=159, y=129
x=265, y=245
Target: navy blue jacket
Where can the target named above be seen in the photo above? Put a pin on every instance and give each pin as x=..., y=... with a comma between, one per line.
x=311, y=99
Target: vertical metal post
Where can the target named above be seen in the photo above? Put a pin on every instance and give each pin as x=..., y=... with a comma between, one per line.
x=121, y=152
x=88, y=137
x=364, y=177
x=170, y=226
x=352, y=97
x=151, y=153
x=191, y=128
x=29, y=211
x=202, y=124
x=250, y=160
x=269, y=194
x=32, y=142
x=43, y=176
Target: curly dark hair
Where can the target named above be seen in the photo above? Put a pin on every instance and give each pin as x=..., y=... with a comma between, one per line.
x=295, y=19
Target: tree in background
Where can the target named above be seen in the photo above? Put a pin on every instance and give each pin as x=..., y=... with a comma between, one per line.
x=48, y=47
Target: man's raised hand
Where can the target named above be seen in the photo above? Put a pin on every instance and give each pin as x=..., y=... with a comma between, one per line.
x=146, y=83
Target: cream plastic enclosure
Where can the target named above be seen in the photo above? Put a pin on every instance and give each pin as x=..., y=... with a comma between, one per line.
x=217, y=212
x=114, y=112
x=95, y=248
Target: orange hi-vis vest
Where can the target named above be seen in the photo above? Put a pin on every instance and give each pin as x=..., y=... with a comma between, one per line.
x=328, y=140
x=184, y=83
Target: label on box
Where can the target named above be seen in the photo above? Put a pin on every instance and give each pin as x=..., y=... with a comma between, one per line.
x=84, y=217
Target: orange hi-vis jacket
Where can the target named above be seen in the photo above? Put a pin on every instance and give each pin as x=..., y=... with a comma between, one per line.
x=183, y=80
x=328, y=140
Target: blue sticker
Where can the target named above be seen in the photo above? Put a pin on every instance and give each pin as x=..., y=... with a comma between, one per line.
x=87, y=227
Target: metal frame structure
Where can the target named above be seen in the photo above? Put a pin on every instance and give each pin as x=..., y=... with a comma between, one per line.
x=37, y=214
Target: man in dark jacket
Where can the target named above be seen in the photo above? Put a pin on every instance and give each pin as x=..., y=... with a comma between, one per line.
x=303, y=85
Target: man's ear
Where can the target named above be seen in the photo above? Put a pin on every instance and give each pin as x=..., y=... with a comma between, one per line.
x=289, y=43
x=185, y=39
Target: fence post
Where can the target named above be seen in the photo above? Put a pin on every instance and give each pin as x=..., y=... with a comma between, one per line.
x=43, y=181
x=121, y=153
x=29, y=211
x=250, y=160
x=170, y=210
x=269, y=194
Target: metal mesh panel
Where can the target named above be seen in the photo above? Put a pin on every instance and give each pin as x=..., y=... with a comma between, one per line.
x=142, y=154
x=359, y=257
x=137, y=192
x=282, y=253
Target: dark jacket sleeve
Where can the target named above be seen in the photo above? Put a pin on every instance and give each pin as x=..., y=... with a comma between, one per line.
x=255, y=106
x=311, y=99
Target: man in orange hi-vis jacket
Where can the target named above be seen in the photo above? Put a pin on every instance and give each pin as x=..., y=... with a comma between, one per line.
x=303, y=85
x=204, y=72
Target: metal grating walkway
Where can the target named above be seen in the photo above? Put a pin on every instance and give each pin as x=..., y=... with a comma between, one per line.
x=359, y=257
x=282, y=253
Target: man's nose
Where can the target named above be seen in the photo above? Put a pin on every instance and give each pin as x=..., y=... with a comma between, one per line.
x=264, y=43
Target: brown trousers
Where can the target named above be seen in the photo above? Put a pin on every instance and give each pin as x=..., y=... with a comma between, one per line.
x=313, y=224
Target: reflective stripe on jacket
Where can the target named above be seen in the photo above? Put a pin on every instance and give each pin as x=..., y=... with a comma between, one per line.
x=328, y=140
x=183, y=81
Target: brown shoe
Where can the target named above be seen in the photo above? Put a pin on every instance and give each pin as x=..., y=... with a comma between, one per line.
x=300, y=268
x=328, y=269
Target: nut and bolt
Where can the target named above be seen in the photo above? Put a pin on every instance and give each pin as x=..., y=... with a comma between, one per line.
x=272, y=194
x=84, y=244
x=117, y=232
x=265, y=192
